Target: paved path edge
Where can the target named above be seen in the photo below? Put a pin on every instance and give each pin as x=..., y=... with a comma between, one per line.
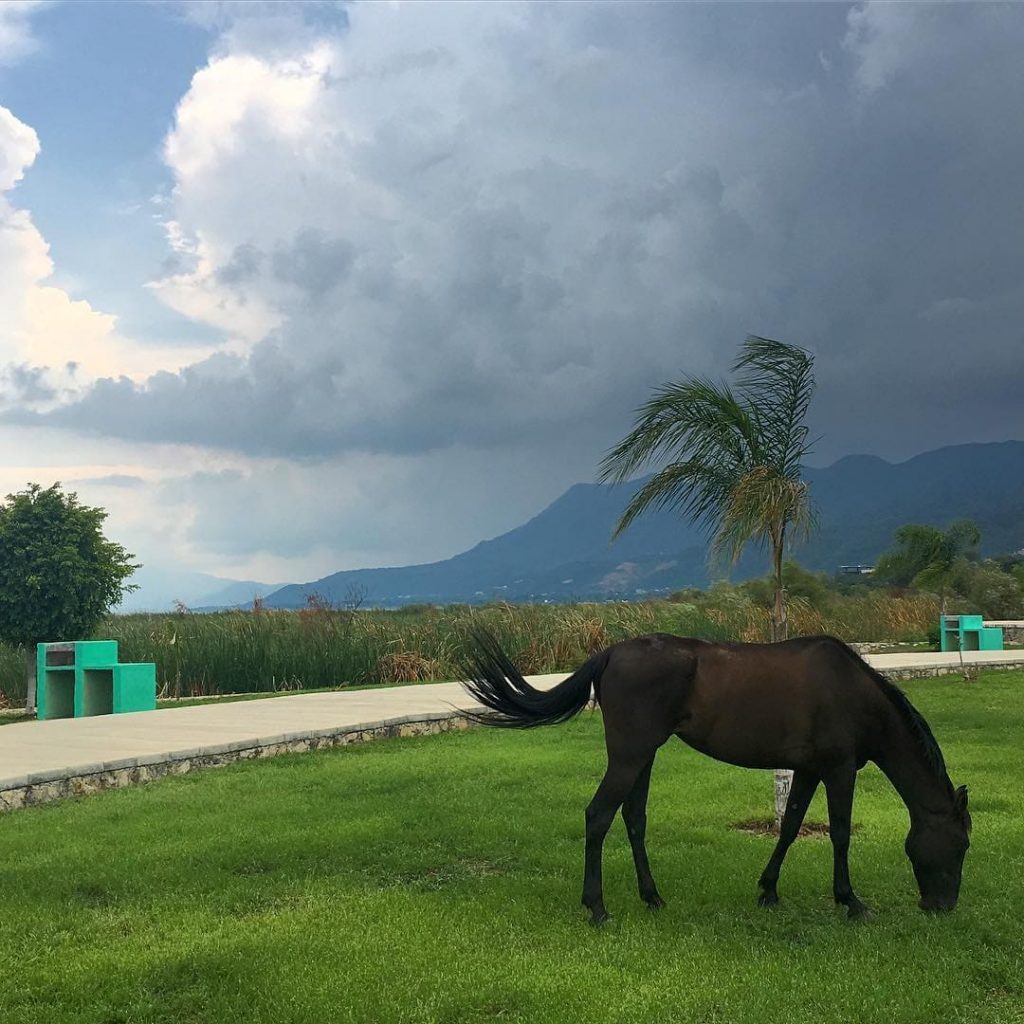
x=60, y=784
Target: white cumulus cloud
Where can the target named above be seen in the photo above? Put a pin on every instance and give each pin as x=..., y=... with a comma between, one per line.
x=42, y=327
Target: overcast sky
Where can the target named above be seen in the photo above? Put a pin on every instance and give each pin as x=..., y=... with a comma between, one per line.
x=297, y=288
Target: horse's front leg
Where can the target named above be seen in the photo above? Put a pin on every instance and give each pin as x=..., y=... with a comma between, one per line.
x=839, y=789
x=804, y=785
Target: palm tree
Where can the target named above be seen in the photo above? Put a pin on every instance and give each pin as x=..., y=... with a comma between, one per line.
x=734, y=463
x=927, y=558
x=735, y=456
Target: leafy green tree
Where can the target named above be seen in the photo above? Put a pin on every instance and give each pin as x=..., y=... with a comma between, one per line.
x=1012, y=565
x=58, y=574
x=735, y=456
x=992, y=591
x=1017, y=572
x=927, y=558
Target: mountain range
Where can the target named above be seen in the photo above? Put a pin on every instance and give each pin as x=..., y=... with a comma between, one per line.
x=565, y=553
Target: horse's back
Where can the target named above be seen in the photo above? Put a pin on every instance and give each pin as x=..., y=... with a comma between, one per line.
x=799, y=703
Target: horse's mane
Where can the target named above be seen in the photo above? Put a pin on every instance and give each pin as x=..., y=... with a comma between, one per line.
x=913, y=718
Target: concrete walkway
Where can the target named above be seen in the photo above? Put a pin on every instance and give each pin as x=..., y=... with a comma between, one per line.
x=42, y=761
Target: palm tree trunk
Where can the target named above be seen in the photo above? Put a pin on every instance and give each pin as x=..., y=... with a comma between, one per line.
x=780, y=625
x=780, y=631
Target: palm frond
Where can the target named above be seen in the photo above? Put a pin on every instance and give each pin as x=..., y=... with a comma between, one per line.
x=933, y=576
x=961, y=536
x=777, y=381
x=762, y=506
x=924, y=554
x=698, y=490
x=696, y=418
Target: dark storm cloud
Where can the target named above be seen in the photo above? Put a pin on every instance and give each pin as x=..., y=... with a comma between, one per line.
x=563, y=213
x=243, y=266
x=314, y=262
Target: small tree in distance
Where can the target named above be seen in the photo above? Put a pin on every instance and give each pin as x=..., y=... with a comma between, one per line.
x=58, y=574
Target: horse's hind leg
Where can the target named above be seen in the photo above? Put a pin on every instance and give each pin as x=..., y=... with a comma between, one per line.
x=800, y=793
x=616, y=785
x=839, y=788
x=634, y=814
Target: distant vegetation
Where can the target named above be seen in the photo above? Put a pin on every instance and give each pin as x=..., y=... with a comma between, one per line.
x=247, y=651
x=261, y=650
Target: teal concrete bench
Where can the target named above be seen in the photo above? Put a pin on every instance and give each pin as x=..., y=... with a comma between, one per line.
x=83, y=677
x=968, y=633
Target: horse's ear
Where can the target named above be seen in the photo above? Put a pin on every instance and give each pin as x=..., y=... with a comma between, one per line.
x=961, y=798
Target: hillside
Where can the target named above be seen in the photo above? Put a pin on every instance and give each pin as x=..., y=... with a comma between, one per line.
x=161, y=589
x=564, y=552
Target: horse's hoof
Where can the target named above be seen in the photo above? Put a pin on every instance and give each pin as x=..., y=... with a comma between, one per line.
x=768, y=899
x=655, y=902
x=598, y=917
x=859, y=912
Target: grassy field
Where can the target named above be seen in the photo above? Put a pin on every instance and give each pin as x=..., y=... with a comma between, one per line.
x=266, y=651
x=437, y=880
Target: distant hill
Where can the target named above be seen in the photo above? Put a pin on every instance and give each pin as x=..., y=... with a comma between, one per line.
x=564, y=552
x=159, y=589
x=232, y=593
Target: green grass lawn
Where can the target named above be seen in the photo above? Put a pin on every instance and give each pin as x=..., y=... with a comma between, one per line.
x=438, y=880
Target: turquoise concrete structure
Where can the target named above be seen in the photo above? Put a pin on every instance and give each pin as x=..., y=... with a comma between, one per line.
x=968, y=633
x=81, y=678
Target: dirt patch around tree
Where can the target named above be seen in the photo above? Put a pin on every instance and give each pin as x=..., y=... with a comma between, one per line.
x=766, y=827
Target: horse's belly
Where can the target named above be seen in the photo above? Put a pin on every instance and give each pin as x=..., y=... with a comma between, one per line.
x=750, y=747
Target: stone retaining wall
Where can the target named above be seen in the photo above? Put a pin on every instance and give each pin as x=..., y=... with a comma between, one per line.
x=898, y=674
x=47, y=786
x=881, y=646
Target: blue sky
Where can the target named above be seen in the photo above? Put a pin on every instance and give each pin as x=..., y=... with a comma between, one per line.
x=281, y=284
x=100, y=91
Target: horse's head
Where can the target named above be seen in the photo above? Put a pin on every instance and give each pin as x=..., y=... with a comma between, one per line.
x=936, y=847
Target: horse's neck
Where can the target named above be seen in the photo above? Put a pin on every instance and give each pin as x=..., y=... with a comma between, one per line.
x=919, y=785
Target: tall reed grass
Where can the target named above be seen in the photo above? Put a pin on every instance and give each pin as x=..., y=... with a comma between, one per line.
x=260, y=650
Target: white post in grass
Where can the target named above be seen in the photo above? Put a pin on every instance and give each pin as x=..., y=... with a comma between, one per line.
x=30, y=683
x=783, y=784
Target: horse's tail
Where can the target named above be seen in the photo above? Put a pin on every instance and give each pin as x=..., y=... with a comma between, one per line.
x=514, y=704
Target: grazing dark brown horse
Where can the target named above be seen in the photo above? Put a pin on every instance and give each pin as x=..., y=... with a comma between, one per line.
x=811, y=704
